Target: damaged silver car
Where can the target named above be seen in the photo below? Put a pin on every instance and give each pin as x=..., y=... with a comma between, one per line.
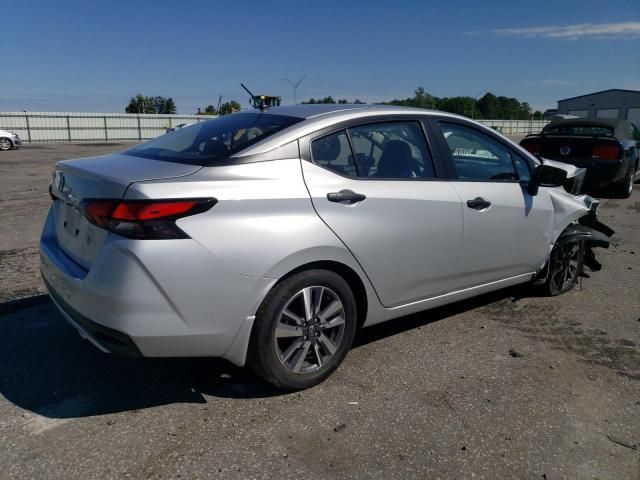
x=269, y=237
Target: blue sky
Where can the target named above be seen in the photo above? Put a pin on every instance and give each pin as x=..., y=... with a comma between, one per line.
x=73, y=55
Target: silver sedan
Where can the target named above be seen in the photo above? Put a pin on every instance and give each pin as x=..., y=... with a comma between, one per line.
x=269, y=237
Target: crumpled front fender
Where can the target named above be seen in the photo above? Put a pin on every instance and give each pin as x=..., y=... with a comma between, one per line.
x=589, y=235
x=568, y=208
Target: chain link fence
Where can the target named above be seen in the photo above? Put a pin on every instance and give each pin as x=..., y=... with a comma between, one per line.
x=41, y=127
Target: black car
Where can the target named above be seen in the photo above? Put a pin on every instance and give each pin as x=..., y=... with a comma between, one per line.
x=607, y=148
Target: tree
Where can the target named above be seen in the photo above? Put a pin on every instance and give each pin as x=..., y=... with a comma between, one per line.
x=343, y=101
x=143, y=104
x=328, y=99
x=140, y=104
x=421, y=99
x=358, y=102
x=457, y=105
x=229, y=107
x=210, y=110
x=170, y=107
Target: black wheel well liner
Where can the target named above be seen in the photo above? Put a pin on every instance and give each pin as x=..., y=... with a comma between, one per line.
x=351, y=277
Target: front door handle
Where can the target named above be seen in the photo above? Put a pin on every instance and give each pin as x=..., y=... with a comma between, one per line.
x=345, y=196
x=478, y=203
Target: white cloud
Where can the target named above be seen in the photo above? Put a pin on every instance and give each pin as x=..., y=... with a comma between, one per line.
x=627, y=30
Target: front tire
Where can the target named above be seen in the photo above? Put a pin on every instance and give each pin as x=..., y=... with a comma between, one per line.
x=303, y=330
x=565, y=267
x=5, y=144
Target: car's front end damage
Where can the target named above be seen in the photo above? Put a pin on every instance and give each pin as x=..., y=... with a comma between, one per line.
x=576, y=221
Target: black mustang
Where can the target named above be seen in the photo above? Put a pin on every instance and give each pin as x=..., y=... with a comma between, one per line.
x=607, y=148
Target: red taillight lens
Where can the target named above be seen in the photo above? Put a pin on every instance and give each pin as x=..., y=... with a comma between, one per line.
x=148, y=211
x=606, y=152
x=98, y=211
x=145, y=219
x=531, y=146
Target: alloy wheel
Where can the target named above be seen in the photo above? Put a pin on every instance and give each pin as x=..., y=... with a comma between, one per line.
x=566, y=266
x=309, y=330
x=5, y=144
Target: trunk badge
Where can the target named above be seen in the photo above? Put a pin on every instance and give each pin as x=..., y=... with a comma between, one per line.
x=566, y=150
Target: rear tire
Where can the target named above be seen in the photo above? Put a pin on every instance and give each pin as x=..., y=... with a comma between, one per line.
x=565, y=266
x=5, y=144
x=303, y=330
x=624, y=188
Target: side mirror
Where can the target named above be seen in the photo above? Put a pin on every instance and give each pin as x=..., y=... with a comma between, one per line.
x=546, y=176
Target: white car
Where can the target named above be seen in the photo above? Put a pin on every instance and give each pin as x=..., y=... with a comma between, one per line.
x=269, y=237
x=9, y=140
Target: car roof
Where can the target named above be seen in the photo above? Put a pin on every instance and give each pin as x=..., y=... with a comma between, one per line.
x=307, y=111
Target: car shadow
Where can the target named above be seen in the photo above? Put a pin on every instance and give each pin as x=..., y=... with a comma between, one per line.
x=48, y=369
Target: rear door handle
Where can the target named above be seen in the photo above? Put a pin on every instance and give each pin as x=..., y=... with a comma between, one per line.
x=345, y=196
x=478, y=203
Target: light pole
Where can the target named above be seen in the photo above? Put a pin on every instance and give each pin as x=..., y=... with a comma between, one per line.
x=295, y=86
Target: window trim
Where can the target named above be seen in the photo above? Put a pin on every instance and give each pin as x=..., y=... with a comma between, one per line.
x=438, y=168
x=446, y=152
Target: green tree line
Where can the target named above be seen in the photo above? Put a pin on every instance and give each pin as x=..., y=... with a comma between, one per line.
x=488, y=106
x=143, y=104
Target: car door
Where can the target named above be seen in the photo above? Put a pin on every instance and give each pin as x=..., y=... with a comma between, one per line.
x=507, y=231
x=376, y=187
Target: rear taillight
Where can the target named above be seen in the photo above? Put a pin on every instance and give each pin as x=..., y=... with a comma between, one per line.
x=532, y=146
x=143, y=219
x=607, y=152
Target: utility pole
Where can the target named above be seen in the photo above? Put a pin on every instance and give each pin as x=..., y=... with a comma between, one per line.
x=295, y=86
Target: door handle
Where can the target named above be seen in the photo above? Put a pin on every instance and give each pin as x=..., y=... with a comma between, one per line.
x=478, y=203
x=345, y=196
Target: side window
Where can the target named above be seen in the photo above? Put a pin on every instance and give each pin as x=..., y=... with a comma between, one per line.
x=333, y=152
x=522, y=167
x=635, y=134
x=391, y=150
x=478, y=156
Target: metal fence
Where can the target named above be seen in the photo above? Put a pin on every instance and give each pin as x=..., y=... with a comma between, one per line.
x=515, y=127
x=40, y=127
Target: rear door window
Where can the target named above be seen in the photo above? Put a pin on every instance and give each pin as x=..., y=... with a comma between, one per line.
x=334, y=153
x=393, y=150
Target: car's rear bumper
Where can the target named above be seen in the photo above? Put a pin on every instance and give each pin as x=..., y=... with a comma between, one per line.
x=600, y=173
x=105, y=338
x=153, y=298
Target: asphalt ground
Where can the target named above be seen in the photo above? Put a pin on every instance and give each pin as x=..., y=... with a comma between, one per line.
x=508, y=385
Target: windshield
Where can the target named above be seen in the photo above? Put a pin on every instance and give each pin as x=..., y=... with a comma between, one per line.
x=213, y=140
x=580, y=130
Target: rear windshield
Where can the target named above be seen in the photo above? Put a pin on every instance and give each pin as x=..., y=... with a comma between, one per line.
x=580, y=130
x=213, y=140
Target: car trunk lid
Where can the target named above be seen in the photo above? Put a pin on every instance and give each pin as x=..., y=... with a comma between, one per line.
x=106, y=177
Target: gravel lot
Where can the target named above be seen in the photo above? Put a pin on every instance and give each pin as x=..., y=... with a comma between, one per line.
x=508, y=385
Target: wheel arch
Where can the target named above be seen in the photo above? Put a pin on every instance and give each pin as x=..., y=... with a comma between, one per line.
x=238, y=351
x=350, y=276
